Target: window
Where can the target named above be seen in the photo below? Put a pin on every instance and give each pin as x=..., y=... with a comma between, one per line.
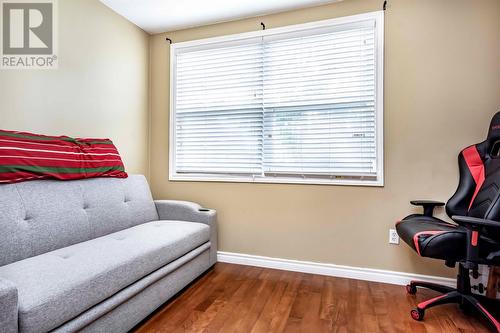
x=299, y=104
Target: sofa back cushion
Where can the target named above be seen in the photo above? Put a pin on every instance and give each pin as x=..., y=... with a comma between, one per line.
x=41, y=216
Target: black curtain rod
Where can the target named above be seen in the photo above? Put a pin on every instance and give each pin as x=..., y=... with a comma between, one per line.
x=384, y=7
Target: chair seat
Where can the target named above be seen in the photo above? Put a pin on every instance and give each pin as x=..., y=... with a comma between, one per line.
x=435, y=238
x=57, y=286
x=432, y=237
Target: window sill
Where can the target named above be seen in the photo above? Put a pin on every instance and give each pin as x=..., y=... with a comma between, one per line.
x=277, y=180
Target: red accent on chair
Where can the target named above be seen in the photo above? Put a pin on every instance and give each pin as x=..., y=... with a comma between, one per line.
x=427, y=232
x=424, y=304
x=476, y=168
x=475, y=237
x=493, y=320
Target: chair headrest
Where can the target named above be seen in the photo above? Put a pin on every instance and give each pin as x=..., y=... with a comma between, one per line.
x=494, y=130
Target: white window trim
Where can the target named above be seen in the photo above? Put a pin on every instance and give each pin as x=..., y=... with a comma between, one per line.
x=335, y=180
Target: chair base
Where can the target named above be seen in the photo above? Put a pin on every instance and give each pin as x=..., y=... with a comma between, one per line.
x=461, y=295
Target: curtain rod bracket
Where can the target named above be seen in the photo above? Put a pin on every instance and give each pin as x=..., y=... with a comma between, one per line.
x=384, y=7
x=168, y=40
x=263, y=25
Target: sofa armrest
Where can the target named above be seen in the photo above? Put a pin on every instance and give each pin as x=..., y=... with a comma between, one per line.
x=191, y=212
x=8, y=307
x=184, y=211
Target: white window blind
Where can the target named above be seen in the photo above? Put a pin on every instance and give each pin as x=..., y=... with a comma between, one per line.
x=219, y=110
x=298, y=104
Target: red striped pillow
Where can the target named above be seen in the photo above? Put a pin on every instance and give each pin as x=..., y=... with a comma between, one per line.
x=27, y=156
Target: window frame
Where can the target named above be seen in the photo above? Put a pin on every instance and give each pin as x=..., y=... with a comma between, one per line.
x=378, y=16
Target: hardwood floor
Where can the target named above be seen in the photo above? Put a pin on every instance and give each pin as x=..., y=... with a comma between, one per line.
x=233, y=298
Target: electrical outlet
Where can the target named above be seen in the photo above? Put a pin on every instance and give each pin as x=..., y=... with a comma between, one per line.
x=393, y=237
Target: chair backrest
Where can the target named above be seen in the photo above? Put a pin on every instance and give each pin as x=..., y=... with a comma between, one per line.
x=478, y=192
x=45, y=215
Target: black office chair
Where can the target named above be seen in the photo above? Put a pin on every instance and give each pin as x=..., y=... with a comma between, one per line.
x=474, y=239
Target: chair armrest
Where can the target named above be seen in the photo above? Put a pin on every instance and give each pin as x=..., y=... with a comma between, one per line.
x=474, y=226
x=8, y=307
x=428, y=205
x=191, y=212
x=475, y=222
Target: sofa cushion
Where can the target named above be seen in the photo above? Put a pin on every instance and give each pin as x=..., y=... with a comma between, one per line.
x=57, y=286
x=45, y=215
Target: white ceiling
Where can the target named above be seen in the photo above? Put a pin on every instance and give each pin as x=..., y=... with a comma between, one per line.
x=156, y=16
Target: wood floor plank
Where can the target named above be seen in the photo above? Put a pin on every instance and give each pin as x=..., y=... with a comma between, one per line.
x=255, y=305
x=233, y=298
x=282, y=310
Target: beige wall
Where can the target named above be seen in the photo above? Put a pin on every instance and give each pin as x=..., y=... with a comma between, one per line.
x=99, y=90
x=442, y=85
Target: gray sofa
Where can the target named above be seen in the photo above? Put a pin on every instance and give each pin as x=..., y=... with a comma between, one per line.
x=95, y=255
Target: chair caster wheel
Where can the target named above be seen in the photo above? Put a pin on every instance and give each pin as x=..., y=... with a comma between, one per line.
x=417, y=314
x=411, y=289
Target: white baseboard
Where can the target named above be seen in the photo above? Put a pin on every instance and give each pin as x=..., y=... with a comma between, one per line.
x=366, y=274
